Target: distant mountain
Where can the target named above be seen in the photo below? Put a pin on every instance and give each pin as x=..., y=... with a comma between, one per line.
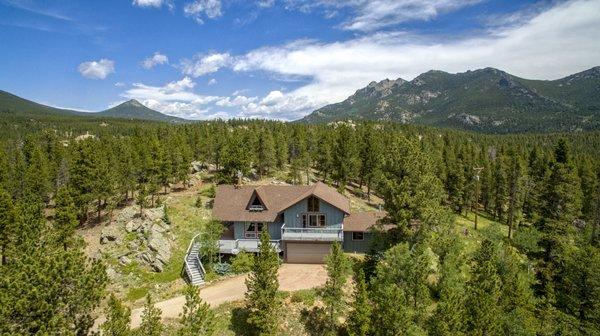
x=131, y=109
x=488, y=100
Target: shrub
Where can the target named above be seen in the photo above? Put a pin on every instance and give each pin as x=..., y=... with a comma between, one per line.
x=306, y=296
x=242, y=262
x=166, y=217
x=198, y=203
x=222, y=268
x=209, y=192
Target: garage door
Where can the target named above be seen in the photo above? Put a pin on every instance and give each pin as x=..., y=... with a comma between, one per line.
x=310, y=253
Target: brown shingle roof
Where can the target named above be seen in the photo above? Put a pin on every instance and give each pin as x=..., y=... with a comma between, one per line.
x=362, y=221
x=231, y=202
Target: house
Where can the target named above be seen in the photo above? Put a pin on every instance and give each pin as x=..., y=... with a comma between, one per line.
x=303, y=221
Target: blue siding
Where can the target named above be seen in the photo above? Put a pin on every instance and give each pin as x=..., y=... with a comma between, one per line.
x=274, y=230
x=293, y=215
x=357, y=246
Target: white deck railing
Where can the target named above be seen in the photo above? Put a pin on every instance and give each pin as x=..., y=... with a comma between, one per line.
x=234, y=246
x=330, y=233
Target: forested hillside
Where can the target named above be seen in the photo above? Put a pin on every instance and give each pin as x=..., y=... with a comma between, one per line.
x=422, y=277
x=487, y=100
x=13, y=105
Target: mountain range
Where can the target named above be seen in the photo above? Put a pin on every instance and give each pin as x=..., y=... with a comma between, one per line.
x=488, y=100
x=132, y=109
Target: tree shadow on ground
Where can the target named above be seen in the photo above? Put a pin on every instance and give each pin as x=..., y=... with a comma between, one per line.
x=239, y=324
x=314, y=322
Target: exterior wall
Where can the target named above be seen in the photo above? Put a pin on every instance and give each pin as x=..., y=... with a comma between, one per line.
x=357, y=246
x=274, y=230
x=293, y=215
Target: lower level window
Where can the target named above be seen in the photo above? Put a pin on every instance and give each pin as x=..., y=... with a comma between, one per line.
x=253, y=230
x=358, y=236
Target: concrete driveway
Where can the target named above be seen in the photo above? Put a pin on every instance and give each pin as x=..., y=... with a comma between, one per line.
x=292, y=277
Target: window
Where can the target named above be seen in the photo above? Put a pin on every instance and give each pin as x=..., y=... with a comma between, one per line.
x=253, y=230
x=357, y=236
x=313, y=220
x=313, y=204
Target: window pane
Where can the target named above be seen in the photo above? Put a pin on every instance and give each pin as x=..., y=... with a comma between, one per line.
x=322, y=220
x=313, y=220
x=259, y=227
x=250, y=227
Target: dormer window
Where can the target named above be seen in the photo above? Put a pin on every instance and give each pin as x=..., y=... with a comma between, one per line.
x=256, y=204
x=313, y=204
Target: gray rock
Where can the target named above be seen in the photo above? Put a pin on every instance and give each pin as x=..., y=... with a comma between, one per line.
x=146, y=257
x=157, y=266
x=124, y=260
x=132, y=226
x=111, y=273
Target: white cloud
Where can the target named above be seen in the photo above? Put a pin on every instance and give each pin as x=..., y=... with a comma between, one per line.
x=97, y=69
x=153, y=3
x=202, y=65
x=174, y=98
x=557, y=42
x=212, y=81
x=154, y=60
x=119, y=84
x=236, y=101
x=370, y=15
x=200, y=8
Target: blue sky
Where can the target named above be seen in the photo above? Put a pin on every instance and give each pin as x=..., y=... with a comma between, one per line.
x=278, y=59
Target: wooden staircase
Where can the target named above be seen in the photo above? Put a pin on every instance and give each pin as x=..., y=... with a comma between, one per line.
x=193, y=266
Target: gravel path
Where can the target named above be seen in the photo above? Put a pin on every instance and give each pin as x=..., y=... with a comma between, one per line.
x=292, y=277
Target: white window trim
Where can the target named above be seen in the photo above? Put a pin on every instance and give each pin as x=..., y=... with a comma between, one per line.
x=317, y=214
x=255, y=234
x=363, y=236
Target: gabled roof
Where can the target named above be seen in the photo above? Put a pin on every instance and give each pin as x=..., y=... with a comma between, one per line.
x=362, y=221
x=231, y=202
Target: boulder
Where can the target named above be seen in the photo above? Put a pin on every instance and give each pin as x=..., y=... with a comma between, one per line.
x=161, y=245
x=146, y=257
x=157, y=266
x=109, y=234
x=111, y=273
x=124, y=260
x=132, y=226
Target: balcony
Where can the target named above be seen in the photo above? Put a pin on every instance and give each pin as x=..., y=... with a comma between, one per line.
x=235, y=246
x=330, y=233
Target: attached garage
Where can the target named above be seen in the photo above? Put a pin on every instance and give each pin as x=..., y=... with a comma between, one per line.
x=306, y=253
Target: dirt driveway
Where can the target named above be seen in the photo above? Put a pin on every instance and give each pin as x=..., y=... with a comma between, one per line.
x=291, y=277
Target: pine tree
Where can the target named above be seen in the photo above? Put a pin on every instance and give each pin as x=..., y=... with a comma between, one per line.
x=515, y=187
x=359, y=318
x=483, y=293
x=338, y=267
x=197, y=318
x=65, y=216
x=142, y=198
x=118, y=318
x=7, y=223
x=450, y=315
x=151, y=324
x=262, y=302
x=344, y=156
x=209, y=240
x=370, y=158
x=266, y=153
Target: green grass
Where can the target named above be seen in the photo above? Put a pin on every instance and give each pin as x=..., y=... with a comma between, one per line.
x=486, y=228
x=187, y=220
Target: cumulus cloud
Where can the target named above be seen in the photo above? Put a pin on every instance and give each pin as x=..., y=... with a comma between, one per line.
x=235, y=101
x=203, y=8
x=205, y=64
x=152, y=3
x=212, y=81
x=174, y=98
x=370, y=15
x=97, y=69
x=154, y=60
x=558, y=41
